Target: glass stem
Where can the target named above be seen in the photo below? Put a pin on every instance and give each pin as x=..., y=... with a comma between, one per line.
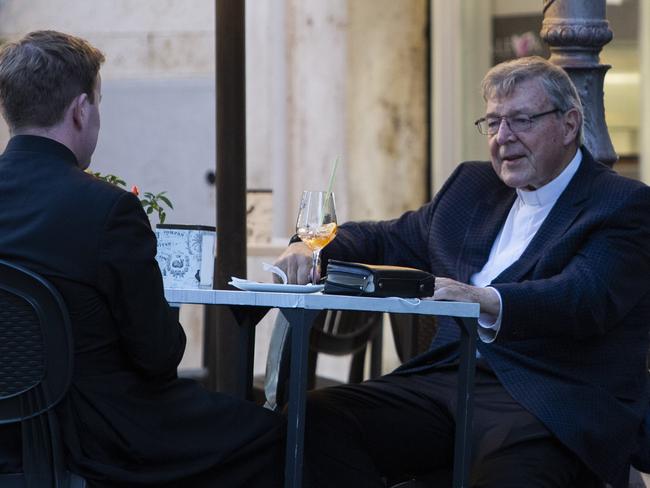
x=314, y=264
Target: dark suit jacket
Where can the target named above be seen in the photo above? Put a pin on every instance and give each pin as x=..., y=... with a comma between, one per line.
x=576, y=305
x=127, y=416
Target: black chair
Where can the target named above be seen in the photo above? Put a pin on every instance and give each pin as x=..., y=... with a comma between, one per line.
x=412, y=334
x=334, y=332
x=36, y=357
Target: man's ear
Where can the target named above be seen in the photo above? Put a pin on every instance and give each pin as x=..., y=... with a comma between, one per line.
x=78, y=110
x=572, y=124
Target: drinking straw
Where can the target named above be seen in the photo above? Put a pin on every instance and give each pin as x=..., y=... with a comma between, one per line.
x=329, y=187
x=331, y=183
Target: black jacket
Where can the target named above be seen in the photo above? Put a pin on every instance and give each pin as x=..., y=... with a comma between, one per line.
x=127, y=416
x=576, y=305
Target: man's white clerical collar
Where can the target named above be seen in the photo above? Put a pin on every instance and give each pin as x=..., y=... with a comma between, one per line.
x=551, y=191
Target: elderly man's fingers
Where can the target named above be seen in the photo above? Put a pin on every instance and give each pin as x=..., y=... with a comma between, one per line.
x=488, y=298
x=303, y=274
x=293, y=261
x=295, y=270
x=448, y=289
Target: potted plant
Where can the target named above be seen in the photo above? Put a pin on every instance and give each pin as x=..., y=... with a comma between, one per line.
x=185, y=253
x=151, y=202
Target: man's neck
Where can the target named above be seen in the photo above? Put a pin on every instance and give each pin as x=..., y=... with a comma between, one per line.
x=54, y=132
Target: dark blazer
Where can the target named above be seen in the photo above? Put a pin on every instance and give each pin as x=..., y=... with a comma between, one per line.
x=576, y=305
x=127, y=416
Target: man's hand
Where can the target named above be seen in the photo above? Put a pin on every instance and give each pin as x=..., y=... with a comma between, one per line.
x=295, y=261
x=448, y=289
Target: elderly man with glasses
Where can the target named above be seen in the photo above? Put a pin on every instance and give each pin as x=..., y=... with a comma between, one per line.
x=555, y=247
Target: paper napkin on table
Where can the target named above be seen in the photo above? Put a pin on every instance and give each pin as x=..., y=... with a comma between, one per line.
x=276, y=271
x=267, y=267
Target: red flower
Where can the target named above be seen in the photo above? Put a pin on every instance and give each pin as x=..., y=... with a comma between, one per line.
x=135, y=190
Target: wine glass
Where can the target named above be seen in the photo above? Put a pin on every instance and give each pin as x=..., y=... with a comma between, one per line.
x=316, y=224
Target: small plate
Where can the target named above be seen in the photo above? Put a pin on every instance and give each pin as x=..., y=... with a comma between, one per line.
x=277, y=287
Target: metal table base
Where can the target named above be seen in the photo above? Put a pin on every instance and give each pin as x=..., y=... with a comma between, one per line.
x=301, y=310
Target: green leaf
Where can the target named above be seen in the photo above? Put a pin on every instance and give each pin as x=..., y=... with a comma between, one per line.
x=166, y=200
x=151, y=202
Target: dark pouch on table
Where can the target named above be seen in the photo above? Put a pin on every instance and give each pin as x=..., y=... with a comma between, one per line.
x=374, y=280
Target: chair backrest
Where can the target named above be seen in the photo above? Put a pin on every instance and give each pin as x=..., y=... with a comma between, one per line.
x=412, y=333
x=36, y=357
x=334, y=332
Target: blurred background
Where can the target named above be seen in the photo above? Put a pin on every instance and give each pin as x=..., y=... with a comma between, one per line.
x=390, y=87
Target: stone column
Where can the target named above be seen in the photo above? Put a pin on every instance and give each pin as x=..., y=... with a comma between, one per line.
x=386, y=109
x=576, y=31
x=316, y=62
x=461, y=54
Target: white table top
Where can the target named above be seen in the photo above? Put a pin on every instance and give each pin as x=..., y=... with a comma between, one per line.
x=319, y=301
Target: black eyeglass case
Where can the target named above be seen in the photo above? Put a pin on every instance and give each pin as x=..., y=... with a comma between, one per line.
x=374, y=280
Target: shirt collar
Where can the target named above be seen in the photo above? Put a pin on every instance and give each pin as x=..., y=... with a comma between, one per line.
x=550, y=192
x=39, y=144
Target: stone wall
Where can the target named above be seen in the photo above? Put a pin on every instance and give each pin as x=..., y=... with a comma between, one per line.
x=387, y=107
x=158, y=105
x=331, y=79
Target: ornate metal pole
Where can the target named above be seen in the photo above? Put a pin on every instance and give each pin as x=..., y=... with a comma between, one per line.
x=576, y=31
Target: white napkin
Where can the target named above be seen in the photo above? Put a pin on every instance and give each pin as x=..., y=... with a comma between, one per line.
x=267, y=267
x=235, y=281
x=276, y=271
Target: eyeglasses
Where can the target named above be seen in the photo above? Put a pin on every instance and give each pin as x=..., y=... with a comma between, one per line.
x=489, y=126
